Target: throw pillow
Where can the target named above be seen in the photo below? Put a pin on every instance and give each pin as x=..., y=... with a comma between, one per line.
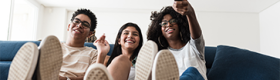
x=232, y=63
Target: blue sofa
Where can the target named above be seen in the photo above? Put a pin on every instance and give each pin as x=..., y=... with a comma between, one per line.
x=222, y=62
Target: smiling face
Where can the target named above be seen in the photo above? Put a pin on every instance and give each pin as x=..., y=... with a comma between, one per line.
x=170, y=30
x=78, y=31
x=129, y=38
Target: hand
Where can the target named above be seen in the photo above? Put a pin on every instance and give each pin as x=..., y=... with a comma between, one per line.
x=183, y=7
x=102, y=45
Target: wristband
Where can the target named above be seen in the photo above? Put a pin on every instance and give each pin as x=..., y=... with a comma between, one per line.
x=67, y=78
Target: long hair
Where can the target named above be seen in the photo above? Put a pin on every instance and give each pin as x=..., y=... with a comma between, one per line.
x=117, y=47
x=154, y=32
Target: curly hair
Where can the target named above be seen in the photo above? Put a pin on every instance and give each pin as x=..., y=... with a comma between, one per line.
x=154, y=32
x=91, y=16
x=117, y=47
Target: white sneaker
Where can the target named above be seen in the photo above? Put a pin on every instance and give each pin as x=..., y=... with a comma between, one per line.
x=50, y=59
x=165, y=66
x=97, y=72
x=144, y=62
x=24, y=62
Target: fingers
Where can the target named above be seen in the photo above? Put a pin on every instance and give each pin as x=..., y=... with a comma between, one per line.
x=103, y=38
x=181, y=4
x=178, y=4
x=181, y=7
x=106, y=43
x=174, y=6
x=100, y=40
x=95, y=42
x=185, y=3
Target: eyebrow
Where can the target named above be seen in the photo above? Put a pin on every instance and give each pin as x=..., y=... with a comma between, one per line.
x=81, y=20
x=135, y=32
x=126, y=31
x=164, y=20
x=132, y=31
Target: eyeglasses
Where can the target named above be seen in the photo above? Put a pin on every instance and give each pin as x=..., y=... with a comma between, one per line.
x=85, y=24
x=164, y=23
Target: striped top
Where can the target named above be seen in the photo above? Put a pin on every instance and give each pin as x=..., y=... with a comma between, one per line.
x=76, y=60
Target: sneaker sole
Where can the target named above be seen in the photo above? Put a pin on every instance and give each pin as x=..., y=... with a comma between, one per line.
x=145, y=60
x=24, y=62
x=165, y=66
x=97, y=72
x=50, y=59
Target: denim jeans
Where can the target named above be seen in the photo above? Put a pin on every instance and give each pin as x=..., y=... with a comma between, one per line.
x=191, y=74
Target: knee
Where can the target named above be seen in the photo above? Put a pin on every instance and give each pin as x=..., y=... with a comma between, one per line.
x=192, y=69
x=122, y=60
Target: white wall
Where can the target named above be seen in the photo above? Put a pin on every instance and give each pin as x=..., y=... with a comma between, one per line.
x=54, y=23
x=234, y=29
x=110, y=21
x=254, y=31
x=40, y=19
x=270, y=30
x=219, y=28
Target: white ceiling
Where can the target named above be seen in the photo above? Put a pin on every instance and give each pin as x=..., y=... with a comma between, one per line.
x=252, y=6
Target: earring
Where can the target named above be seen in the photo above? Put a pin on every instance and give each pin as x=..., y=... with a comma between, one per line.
x=160, y=42
x=181, y=36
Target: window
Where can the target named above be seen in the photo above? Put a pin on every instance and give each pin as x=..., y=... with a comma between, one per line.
x=23, y=27
x=5, y=14
x=18, y=22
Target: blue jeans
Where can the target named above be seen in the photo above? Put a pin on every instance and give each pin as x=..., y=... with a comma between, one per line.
x=191, y=74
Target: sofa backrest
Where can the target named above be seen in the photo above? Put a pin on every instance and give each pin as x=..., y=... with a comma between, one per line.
x=91, y=45
x=8, y=49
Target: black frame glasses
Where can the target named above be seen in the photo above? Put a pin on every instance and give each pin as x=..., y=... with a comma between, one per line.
x=77, y=21
x=164, y=23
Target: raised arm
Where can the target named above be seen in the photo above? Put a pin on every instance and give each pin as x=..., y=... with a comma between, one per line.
x=185, y=8
x=103, y=48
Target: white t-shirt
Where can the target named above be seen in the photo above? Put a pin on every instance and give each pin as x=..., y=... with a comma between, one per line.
x=191, y=55
x=76, y=60
x=131, y=73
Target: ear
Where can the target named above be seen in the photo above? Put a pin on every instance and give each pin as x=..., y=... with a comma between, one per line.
x=119, y=41
x=89, y=34
x=68, y=27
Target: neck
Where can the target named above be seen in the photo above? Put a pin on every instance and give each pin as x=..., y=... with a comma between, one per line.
x=176, y=43
x=127, y=53
x=75, y=43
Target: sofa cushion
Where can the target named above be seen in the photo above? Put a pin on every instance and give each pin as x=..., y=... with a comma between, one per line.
x=232, y=63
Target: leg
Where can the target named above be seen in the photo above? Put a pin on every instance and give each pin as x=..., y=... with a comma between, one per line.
x=97, y=71
x=50, y=59
x=120, y=68
x=191, y=74
x=165, y=66
x=145, y=59
x=24, y=62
